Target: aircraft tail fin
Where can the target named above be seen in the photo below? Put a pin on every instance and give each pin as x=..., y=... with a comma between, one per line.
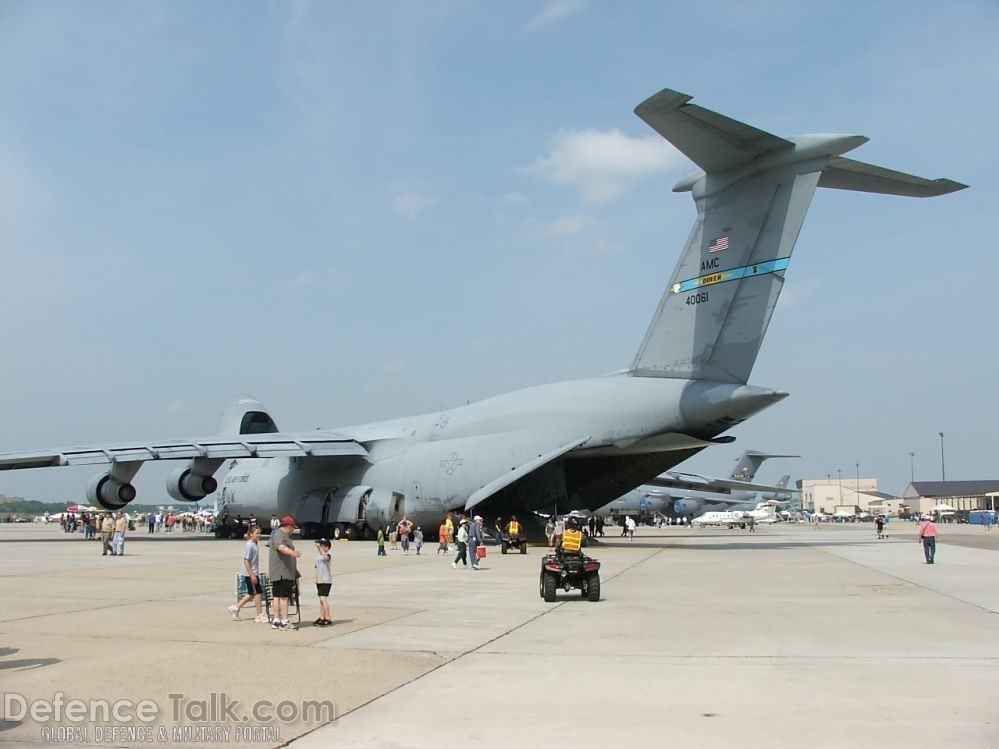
x=750, y=462
x=752, y=196
x=770, y=508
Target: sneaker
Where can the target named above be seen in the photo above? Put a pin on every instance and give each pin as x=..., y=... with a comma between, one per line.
x=275, y=624
x=319, y=622
x=288, y=627
x=262, y=619
x=454, y=565
x=235, y=613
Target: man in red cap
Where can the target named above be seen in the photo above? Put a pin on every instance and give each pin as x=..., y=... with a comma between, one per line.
x=283, y=571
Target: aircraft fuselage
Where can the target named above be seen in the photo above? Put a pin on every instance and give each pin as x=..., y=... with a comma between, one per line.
x=423, y=466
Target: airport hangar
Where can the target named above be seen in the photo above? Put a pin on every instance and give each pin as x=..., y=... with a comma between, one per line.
x=852, y=497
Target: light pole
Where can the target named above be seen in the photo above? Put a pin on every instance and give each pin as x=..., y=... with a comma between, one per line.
x=858, y=483
x=943, y=466
x=912, y=467
x=839, y=473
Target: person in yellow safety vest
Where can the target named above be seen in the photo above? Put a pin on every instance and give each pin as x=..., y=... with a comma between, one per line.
x=572, y=538
x=513, y=527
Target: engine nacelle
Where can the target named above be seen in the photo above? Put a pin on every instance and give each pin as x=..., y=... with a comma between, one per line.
x=109, y=493
x=185, y=485
x=686, y=507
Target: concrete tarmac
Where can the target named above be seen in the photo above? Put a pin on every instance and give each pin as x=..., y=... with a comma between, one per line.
x=790, y=636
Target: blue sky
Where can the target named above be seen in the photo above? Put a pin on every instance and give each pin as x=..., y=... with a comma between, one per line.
x=357, y=211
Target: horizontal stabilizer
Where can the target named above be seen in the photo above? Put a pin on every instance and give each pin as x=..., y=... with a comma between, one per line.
x=847, y=174
x=712, y=141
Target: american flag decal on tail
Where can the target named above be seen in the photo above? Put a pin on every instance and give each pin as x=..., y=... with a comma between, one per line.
x=718, y=245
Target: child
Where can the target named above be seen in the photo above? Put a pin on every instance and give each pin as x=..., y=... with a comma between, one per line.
x=324, y=581
x=249, y=583
x=381, y=543
x=418, y=539
x=442, y=538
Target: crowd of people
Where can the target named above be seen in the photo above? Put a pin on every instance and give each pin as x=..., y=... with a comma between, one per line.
x=88, y=522
x=111, y=527
x=465, y=535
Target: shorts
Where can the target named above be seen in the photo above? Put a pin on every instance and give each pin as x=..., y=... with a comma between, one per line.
x=249, y=588
x=283, y=588
x=323, y=589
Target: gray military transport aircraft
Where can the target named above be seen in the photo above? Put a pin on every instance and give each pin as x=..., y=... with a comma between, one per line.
x=688, y=494
x=576, y=444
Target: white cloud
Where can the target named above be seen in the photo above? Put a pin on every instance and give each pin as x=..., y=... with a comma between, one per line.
x=179, y=407
x=554, y=11
x=479, y=344
x=603, y=163
x=796, y=294
x=302, y=280
x=577, y=232
x=412, y=205
x=395, y=366
x=24, y=194
x=514, y=198
x=594, y=246
x=568, y=226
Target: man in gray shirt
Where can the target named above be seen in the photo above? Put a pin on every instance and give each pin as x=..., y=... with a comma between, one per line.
x=283, y=571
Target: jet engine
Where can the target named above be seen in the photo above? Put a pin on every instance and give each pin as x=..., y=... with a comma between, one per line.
x=686, y=507
x=187, y=485
x=109, y=493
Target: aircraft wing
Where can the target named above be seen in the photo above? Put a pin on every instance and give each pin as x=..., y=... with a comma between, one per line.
x=272, y=445
x=693, y=482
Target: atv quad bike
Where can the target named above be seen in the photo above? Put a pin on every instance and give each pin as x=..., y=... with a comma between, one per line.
x=568, y=571
x=508, y=542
